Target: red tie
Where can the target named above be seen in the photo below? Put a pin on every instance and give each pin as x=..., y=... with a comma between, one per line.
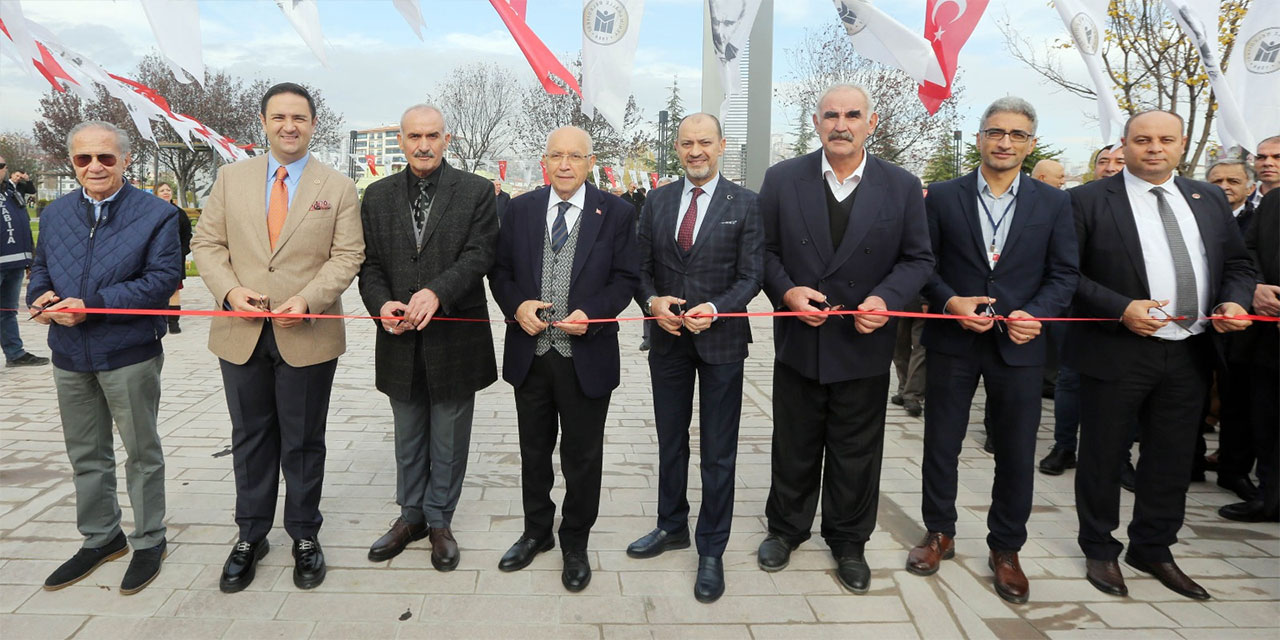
x=684, y=237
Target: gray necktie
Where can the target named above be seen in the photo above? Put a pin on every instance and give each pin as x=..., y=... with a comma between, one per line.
x=421, y=206
x=1184, y=275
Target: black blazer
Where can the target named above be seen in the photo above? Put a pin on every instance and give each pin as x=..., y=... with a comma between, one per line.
x=604, y=279
x=1037, y=271
x=1113, y=274
x=502, y=199
x=885, y=252
x=1263, y=242
x=461, y=234
x=724, y=266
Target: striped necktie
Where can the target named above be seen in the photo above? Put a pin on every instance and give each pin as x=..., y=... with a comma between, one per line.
x=560, y=230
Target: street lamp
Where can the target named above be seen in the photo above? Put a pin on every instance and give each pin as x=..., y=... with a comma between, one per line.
x=662, y=141
x=955, y=152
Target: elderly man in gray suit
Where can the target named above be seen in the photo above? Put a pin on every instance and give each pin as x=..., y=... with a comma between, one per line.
x=431, y=232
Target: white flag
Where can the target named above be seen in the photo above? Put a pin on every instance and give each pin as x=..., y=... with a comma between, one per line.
x=731, y=22
x=1199, y=21
x=412, y=14
x=176, y=25
x=879, y=37
x=610, y=31
x=595, y=173
x=24, y=48
x=1085, y=20
x=1253, y=70
x=305, y=18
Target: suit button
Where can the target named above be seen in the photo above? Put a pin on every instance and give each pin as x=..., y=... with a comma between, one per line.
x=804, y=241
x=867, y=250
x=992, y=280
x=413, y=259
x=852, y=283
x=271, y=269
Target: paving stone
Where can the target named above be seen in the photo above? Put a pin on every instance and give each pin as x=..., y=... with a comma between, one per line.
x=113, y=628
x=40, y=627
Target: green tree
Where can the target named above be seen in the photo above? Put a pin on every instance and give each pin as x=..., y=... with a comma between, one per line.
x=804, y=133
x=675, y=113
x=941, y=165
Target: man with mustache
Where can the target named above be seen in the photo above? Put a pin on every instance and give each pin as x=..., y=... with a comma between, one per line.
x=429, y=232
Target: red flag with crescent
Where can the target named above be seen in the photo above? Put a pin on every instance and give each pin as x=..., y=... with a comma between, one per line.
x=502, y=170
x=653, y=180
x=373, y=167
x=947, y=25
x=613, y=180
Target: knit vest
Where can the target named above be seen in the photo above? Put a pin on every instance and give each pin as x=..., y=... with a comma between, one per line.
x=557, y=271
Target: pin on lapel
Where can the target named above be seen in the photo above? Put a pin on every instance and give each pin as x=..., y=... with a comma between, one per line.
x=728, y=196
x=599, y=212
x=1195, y=196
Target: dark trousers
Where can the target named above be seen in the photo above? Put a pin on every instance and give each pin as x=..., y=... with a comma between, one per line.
x=549, y=398
x=909, y=358
x=840, y=425
x=1265, y=414
x=278, y=416
x=1236, y=450
x=1013, y=410
x=1163, y=384
x=720, y=398
x=1066, y=409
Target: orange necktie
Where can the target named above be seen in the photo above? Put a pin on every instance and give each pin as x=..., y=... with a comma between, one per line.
x=278, y=206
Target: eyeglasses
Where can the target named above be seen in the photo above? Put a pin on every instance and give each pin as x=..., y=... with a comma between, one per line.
x=3, y=165
x=1017, y=135
x=575, y=158
x=82, y=160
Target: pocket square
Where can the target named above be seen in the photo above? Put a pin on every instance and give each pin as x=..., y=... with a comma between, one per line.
x=320, y=205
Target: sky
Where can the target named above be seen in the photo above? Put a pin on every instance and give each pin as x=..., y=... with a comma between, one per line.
x=377, y=66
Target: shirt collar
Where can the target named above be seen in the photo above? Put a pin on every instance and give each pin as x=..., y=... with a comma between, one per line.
x=294, y=168
x=1239, y=210
x=1138, y=185
x=985, y=189
x=431, y=178
x=709, y=188
x=854, y=177
x=104, y=200
x=578, y=199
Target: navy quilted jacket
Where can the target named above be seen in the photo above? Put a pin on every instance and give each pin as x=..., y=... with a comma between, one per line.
x=130, y=259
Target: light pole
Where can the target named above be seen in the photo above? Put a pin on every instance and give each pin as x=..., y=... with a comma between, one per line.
x=955, y=152
x=662, y=142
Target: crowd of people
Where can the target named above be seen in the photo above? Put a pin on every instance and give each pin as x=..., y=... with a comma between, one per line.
x=1166, y=268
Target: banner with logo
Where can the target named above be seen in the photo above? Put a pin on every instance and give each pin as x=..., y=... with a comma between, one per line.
x=1085, y=20
x=1199, y=22
x=1253, y=71
x=610, y=32
x=879, y=37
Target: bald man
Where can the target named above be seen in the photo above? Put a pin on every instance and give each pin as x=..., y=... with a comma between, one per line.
x=1050, y=172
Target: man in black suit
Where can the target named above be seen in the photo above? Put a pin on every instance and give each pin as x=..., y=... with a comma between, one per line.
x=565, y=255
x=1005, y=245
x=1160, y=253
x=430, y=232
x=701, y=253
x=501, y=199
x=847, y=230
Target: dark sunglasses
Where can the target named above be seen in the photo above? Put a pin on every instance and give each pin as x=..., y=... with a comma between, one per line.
x=3, y=165
x=82, y=160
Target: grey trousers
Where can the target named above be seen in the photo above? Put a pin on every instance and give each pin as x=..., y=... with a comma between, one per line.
x=908, y=358
x=432, y=442
x=88, y=403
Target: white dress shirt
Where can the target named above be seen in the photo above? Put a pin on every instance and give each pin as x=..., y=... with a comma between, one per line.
x=842, y=188
x=704, y=202
x=1158, y=258
x=571, y=216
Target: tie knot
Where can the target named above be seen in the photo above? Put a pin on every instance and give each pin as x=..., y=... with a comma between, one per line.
x=697, y=191
x=564, y=207
x=281, y=173
x=1158, y=191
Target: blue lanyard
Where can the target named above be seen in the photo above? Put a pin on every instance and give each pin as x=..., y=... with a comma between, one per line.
x=995, y=224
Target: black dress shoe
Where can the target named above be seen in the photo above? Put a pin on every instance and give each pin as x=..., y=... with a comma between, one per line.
x=774, y=553
x=914, y=408
x=1240, y=485
x=989, y=445
x=657, y=541
x=897, y=399
x=84, y=562
x=577, y=571
x=1170, y=576
x=1251, y=511
x=143, y=568
x=1058, y=460
x=241, y=565
x=394, y=541
x=853, y=572
x=308, y=563
x=522, y=553
x=1128, y=477
x=1105, y=576
x=644, y=344
x=710, y=583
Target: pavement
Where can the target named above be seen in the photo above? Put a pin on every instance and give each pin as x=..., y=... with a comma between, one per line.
x=405, y=598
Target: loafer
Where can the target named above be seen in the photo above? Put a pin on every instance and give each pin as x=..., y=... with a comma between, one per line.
x=241, y=565
x=709, y=585
x=655, y=542
x=927, y=556
x=897, y=399
x=774, y=553
x=914, y=408
x=1105, y=576
x=853, y=573
x=989, y=445
x=1170, y=576
x=143, y=568
x=644, y=344
x=1251, y=511
x=85, y=561
x=1128, y=477
x=444, y=549
x=577, y=571
x=27, y=360
x=1010, y=581
x=308, y=563
x=1240, y=485
x=522, y=553
x=1058, y=461
x=395, y=540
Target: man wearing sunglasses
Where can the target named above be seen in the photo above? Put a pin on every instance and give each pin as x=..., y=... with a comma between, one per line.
x=108, y=245
x=1005, y=245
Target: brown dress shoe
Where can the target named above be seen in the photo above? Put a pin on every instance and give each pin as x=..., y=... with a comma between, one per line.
x=1105, y=576
x=1170, y=576
x=444, y=549
x=926, y=556
x=1010, y=582
x=394, y=541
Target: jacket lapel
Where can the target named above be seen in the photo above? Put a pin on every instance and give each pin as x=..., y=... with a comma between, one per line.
x=1122, y=214
x=1022, y=213
x=969, y=205
x=811, y=194
x=401, y=210
x=308, y=188
x=440, y=204
x=589, y=223
x=866, y=210
x=720, y=203
x=257, y=195
x=537, y=235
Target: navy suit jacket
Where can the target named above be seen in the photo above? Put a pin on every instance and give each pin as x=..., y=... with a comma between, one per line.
x=1113, y=273
x=604, y=279
x=724, y=266
x=1037, y=271
x=885, y=253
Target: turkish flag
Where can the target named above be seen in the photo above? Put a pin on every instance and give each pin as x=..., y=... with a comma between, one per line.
x=373, y=169
x=545, y=179
x=613, y=180
x=653, y=180
x=947, y=25
x=502, y=170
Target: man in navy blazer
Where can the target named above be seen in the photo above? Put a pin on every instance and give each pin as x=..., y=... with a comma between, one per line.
x=565, y=254
x=701, y=250
x=1005, y=245
x=1161, y=253
x=842, y=229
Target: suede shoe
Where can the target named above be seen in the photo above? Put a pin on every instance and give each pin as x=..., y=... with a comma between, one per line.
x=1058, y=461
x=853, y=573
x=914, y=408
x=143, y=568
x=925, y=558
x=522, y=553
x=655, y=542
x=577, y=571
x=1105, y=576
x=84, y=562
x=444, y=549
x=709, y=585
x=897, y=399
x=308, y=563
x=241, y=565
x=394, y=541
x=1170, y=576
x=774, y=553
x=27, y=360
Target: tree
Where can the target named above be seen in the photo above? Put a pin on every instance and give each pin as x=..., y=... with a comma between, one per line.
x=803, y=132
x=906, y=131
x=22, y=153
x=675, y=113
x=1042, y=152
x=479, y=102
x=1151, y=64
x=61, y=111
x=942, y=164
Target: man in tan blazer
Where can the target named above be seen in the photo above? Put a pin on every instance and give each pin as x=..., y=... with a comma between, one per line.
x=281, y=232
